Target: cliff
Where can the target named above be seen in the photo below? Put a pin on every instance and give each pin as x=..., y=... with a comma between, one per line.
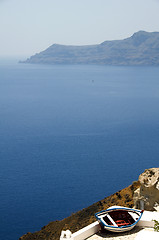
x=145, y=191
x=147, y=195
x=84, y=217
x=142, y=48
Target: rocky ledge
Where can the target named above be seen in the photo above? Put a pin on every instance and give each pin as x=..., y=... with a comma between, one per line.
x=147, y=195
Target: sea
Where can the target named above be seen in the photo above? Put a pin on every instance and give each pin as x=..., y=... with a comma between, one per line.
x=71, y=135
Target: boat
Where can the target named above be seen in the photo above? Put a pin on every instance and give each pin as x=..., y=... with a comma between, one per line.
x=119, y=219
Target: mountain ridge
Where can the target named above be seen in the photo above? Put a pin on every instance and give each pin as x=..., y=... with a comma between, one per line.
x=142, y=48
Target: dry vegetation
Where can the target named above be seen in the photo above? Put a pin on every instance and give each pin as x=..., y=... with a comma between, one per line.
x=84, y=217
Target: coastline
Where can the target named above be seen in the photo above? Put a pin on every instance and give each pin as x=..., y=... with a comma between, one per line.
x=85, y=216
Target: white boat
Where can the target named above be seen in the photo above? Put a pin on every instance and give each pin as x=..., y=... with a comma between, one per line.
x=119, y=219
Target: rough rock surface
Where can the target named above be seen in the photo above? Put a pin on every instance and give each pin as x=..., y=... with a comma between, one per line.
x=147, y=195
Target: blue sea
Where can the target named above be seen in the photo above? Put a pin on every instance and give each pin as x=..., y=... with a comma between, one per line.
x=71, y=135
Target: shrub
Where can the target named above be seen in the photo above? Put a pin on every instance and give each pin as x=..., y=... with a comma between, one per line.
x=156, y=226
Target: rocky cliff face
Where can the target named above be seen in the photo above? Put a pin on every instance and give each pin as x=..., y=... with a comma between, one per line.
x=144, y=194
x=147, y=195
x=80, y=219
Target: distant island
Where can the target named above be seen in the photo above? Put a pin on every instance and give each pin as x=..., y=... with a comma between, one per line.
x=142, y=48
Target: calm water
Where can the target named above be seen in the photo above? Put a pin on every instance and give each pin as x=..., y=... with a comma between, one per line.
x=70, y=136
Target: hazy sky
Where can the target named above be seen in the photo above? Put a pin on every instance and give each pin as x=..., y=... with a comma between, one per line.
x=30, y=26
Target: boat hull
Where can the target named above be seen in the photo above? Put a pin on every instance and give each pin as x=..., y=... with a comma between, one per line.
x=118, y=229
x=119, y=219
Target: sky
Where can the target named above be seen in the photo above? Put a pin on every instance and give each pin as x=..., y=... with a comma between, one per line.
x=30, y=26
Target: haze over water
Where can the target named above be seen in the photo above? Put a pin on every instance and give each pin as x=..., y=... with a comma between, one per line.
x=70, y=136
